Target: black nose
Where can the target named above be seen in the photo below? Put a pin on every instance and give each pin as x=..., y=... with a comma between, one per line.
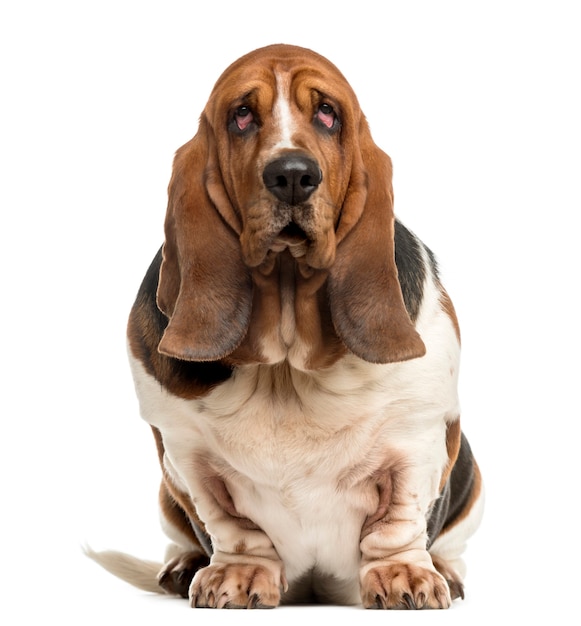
x=292, y=178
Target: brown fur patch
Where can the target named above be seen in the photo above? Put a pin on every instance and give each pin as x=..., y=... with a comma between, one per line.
x=204, y=286
x=448, y=308
x=240, y=547
x=453, y=441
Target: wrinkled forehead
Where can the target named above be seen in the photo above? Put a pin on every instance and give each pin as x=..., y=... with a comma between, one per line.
x=270, y=73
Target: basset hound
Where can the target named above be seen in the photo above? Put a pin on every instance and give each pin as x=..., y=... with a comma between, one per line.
x=296, y=357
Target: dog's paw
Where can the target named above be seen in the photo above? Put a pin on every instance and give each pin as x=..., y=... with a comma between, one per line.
x=404, y=586
x=177, y=574
x=234, y=586
x=451, y=576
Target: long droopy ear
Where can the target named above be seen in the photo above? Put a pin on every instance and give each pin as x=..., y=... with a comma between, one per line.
x=204, y=289
x=366, y=301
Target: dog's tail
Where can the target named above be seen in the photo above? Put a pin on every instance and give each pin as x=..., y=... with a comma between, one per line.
x=137, y=572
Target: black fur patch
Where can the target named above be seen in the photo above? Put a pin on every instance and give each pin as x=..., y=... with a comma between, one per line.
x=411, y=268
x=455, y=495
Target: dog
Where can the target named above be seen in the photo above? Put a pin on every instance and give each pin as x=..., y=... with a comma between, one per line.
x=296, y=357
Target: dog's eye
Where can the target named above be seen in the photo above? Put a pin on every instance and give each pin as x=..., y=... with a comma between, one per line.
x=243, y=117
x=326, y=115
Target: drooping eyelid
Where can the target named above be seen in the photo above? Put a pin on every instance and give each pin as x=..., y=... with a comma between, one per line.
x=247, y=100
x=240, y=103
x=321, y=99
x=324, y=98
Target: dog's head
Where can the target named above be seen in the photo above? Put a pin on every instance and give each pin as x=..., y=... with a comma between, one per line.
x=283, y=163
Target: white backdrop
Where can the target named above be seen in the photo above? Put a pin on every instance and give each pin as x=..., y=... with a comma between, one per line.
x=478, y=105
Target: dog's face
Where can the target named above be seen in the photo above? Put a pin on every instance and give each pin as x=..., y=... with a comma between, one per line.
x=284, y=126
x=283, y=161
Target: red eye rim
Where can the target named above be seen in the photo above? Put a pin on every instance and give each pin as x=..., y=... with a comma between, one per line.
x=326, y=114
x=326, y=117
x=243, y=117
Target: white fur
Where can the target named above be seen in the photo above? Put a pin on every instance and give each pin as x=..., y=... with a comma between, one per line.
x=297, y=451
x=141, y=574
x=282, y=115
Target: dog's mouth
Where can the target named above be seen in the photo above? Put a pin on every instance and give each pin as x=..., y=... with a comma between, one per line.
x=292, y=234
x=292, y=229
x=293, y=238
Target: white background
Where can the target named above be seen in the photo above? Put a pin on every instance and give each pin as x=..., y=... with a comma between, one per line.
x=477, y=103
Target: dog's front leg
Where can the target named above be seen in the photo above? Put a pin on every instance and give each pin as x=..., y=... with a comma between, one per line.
x=245, y=570
x=396, y=569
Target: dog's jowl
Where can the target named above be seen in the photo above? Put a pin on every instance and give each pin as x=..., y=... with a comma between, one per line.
x=296, y=357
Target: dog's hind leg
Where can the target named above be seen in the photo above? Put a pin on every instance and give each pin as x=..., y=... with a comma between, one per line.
x=447, y=549
x=190, y=550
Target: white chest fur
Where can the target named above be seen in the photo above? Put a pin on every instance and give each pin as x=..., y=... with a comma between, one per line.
x=299, y=452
